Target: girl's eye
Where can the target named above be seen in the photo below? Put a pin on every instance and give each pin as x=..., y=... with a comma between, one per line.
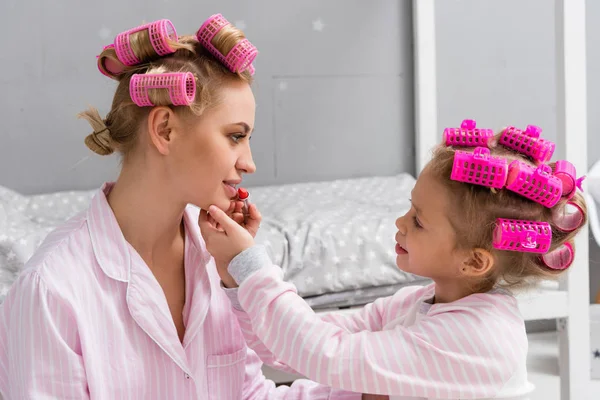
x=415, y=220
x=417, y=223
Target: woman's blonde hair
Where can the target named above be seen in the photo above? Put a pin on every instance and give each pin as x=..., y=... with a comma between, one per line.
x=474, y=210
x=118, y=131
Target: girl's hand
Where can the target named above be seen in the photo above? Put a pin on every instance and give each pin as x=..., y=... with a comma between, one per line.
x=226, y=237
x=253, y=218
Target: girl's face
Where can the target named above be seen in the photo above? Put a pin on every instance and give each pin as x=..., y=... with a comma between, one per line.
x=426, y=241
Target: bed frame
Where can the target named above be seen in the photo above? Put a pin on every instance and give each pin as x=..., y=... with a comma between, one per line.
x=568, y=303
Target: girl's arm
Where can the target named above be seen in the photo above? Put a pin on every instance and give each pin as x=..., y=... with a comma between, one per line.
x=368, y=318
x=468, y=351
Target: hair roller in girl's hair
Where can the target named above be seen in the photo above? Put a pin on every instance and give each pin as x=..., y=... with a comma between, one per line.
x=479, y=168
x=522, y=236
x=468, y=135
x=565, y=171
x=560, y=258
x=528, y=142
x=537, y=184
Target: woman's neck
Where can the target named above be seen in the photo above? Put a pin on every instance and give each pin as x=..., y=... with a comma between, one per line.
x=149, y=217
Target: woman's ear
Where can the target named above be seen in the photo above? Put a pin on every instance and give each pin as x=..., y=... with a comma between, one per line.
x=160, y=127
x=478, y=263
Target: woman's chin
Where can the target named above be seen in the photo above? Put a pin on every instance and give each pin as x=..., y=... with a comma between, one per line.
x=224, y=204
x=220, y=203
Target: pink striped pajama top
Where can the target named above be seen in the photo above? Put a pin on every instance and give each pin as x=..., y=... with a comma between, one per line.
x=87, y=319
x=403, y=346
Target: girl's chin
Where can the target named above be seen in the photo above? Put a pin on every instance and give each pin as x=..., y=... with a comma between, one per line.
x=402, y=264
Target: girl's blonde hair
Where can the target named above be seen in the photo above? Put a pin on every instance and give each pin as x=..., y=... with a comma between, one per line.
x=474, y=210
x=118, y=131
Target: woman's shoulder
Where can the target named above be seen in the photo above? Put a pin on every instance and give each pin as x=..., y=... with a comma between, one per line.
x=57, y=263
x=65, y=248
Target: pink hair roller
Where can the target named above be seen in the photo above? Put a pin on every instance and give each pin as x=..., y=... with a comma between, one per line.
x=109, y=64
x=479, y=168
x=159, y=32
x=528, y=142
x=239, y=58
x=538, y=184
x=467, y=135
x=561, y=258
x=565, y=171
x=523, y=236
x=181, y=87
x=567, y=218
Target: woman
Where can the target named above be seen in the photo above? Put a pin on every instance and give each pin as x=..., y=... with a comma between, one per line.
x=124, y=301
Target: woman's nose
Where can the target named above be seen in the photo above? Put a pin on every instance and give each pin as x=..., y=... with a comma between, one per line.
x=246, y=163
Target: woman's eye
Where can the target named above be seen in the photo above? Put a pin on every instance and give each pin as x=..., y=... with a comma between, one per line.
x=237, y=137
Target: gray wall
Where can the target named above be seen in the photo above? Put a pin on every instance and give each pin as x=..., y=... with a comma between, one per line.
x=496, y=63
x=334, y=89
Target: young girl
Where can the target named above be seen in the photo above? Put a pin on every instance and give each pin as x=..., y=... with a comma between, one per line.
x=123, y=301
x=487, y=215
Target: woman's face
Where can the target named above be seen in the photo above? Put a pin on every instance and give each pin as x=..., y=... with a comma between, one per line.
x=209, y=160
